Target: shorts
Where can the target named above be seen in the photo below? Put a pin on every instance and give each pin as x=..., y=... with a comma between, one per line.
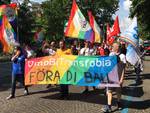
x=114, y=89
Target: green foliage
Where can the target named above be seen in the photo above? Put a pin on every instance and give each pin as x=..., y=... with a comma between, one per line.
x=4, y=2
x=54, y=15
x=141, y=9
x=26, y=23
x=101, y=9
x=56, y=12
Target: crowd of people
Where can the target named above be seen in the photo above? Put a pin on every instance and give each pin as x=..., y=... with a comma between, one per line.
x=83, y=48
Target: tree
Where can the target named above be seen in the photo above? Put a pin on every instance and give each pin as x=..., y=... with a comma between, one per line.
x=25, y=22
x=102, y=9
x=56, y=12
x=4, y=2
x=54, y=15
x=141, y=9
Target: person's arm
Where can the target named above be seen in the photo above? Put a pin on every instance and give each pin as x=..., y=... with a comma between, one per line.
x=15, y=56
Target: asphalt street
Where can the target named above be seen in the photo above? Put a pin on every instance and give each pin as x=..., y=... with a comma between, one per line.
x=136, y=99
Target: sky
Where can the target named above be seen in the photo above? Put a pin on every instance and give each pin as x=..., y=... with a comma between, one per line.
x=37, y=0
x=123, y=14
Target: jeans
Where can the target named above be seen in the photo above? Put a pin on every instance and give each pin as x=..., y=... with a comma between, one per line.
x=137, y=71
x=20, y=78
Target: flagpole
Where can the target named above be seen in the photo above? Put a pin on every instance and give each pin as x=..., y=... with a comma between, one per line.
x=17, y=26
x=18, y=4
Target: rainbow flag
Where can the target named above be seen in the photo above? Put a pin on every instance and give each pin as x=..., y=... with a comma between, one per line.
x=2, y=7
x=78, y=27
x=95, y=27
x=70, y=69
x=7, y=35
x=10, y=11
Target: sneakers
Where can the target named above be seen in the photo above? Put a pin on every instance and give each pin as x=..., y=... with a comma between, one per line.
x=119, y=106
x=10, y=97
x=26, y=92
x=106, y=109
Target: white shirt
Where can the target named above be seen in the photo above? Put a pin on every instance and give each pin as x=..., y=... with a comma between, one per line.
x=113, y=53
x=85, y=51
x=122, y=58
x=30, y=53
x=92, y=52
x=51, y=52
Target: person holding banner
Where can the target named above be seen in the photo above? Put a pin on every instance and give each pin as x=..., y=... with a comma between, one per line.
x=17, y=71
x=51, y=51
x=29, y=52
x=121, y=59
x=63, y=51
x=87, y=51
x=101, y=49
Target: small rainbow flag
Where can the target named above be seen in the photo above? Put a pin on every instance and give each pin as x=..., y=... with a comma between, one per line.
x=95, y=27
x=10, y=11
x=7, y=35
x=2, y=7
x=78, y=27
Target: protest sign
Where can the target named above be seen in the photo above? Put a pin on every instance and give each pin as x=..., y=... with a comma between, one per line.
x=70, y=69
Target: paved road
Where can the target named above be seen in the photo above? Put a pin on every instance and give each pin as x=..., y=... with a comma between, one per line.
x=136, y=99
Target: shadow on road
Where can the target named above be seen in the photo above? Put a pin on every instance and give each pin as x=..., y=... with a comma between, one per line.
x=98, y=97
x=133, y=76
x=133, y=91
x=52, y=89
x=5, y=76
x=5, y=83
x=141, y=105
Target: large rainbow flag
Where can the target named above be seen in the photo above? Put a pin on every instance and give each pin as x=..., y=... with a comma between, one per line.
x=70, y=69
x=78, y=27
x=7, y=35
x=95, y=27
